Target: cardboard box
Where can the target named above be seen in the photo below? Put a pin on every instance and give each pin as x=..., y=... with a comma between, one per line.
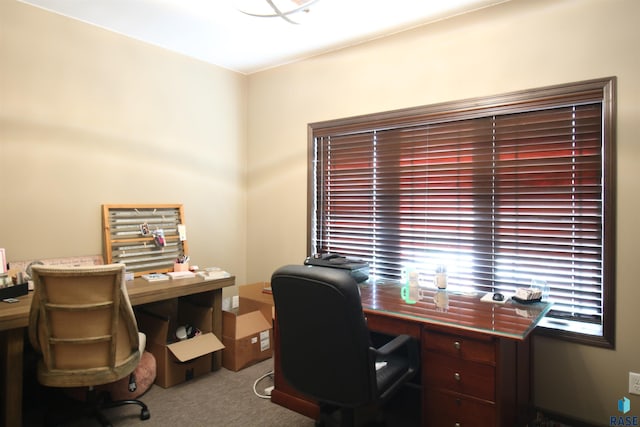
x=260, y=291
x=178, y=361
x=210, y=299
x=257, y=296
x=246, y=334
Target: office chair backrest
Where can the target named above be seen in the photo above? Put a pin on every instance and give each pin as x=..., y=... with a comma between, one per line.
x=82, y=323
x=324, y=340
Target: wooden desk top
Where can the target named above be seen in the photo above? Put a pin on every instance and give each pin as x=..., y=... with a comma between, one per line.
x=16, y=315
x=458, y=310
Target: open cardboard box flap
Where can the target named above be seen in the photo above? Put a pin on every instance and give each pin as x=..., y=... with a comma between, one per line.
x=195, y=347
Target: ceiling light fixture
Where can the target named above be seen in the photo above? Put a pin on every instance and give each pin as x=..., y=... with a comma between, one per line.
x=284, y=9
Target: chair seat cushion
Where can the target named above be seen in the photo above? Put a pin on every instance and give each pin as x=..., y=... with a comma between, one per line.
x=145, y=375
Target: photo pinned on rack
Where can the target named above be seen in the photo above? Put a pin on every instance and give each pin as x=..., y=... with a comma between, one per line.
x=144, y=229
x=158, y=238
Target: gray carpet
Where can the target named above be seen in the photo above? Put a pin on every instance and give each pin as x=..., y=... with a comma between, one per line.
x=221, y=398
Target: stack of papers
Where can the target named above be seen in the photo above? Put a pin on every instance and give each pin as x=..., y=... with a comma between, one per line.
x=154, y=277
x=181, y=274
x=214, y=274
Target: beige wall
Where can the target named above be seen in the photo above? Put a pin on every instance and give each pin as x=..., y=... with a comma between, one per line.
x=90, y=117
x=518, y=45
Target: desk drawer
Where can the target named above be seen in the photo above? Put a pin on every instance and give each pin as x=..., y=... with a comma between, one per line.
x=447, y=410
x=392, y=326
x=461, y=376
x=460, y=346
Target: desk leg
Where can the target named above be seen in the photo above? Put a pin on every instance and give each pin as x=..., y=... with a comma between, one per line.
x=525, y=409
x=12, y=345
x=216, y=362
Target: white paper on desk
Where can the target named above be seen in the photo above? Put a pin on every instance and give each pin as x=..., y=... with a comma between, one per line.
x=488, y=297
x=220, y=274
x=181, y=274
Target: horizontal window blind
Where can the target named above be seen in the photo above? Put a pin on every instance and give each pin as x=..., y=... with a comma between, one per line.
x=500, y=199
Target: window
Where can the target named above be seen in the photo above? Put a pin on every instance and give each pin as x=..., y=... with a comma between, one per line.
x=502, y=190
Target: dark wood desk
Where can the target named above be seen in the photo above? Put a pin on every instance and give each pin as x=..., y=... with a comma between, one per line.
x=15, y=317
x=475, y=355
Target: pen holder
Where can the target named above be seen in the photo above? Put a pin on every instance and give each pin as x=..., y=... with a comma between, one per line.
x=181, y=266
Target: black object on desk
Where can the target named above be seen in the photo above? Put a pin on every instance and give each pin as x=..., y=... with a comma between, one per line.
x=358, y=268
x=498, y=296
x=14, y=291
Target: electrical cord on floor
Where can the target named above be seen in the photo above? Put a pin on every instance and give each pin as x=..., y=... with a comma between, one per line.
x=255, y=386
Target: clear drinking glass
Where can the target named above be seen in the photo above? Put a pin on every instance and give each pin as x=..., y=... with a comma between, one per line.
x=542, y=286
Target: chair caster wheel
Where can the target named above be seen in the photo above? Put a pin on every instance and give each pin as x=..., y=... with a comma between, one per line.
x=145, y=414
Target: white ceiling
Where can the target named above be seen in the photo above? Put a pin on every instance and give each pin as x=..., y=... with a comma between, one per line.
x=215, y=31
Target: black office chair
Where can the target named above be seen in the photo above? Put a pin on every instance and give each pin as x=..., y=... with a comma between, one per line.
x=325, y=347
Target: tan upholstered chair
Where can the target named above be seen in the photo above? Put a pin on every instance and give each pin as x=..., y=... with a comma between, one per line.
x=83, y=327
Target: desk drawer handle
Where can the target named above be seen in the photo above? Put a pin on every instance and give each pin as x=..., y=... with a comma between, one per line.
x=456, y=376
x=456, y=425
x=457, y=345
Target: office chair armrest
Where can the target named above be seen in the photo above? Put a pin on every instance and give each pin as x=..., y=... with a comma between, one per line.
x=394, y=345
x=402, y=354
x=404, y=343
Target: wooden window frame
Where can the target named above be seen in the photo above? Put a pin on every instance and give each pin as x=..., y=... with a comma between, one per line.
x=601, y=90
